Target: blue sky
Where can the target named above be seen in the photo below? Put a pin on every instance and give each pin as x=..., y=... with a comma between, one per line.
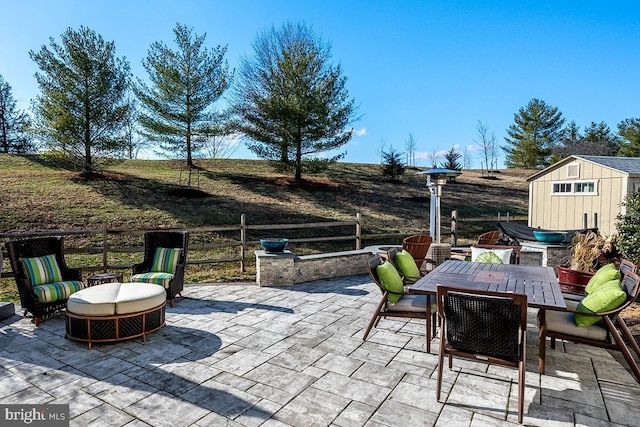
x=429, y=68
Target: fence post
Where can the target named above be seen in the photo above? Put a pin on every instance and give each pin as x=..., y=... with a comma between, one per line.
x=498, y=216
x=243, y=243
x=358, y=231
x=105, y=249
x=454, y=228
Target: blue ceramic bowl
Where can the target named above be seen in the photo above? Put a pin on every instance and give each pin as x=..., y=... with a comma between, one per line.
x=274, y=245
x=549, y=236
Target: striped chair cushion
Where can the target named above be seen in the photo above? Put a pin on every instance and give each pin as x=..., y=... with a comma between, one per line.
x=165, y=260
x=162, y=279
x=42, y=270
x=57, y=291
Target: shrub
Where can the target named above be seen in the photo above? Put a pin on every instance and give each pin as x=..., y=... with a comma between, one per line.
x=628, y=228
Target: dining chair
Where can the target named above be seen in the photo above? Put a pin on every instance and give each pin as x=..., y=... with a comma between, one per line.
x=489, y=238
x=398, y=302
x=626, y=266
x=605, y=333
x=418, y=246
x=486, y=326
x=407, y=268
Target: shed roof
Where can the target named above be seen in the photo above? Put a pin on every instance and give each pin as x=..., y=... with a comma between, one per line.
x=626, y=165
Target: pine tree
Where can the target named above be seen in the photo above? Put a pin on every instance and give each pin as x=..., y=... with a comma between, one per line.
x=291, y=102
x=185, y=83
x=451, y=158
x=392, y=165
x=83, y=101
x=629, y=130
x=533, y=135
x=13, y=123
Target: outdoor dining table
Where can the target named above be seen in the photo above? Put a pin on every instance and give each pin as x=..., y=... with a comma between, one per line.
x=538, y=283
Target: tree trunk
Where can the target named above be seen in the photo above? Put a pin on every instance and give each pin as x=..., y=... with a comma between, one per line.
x=298, y=177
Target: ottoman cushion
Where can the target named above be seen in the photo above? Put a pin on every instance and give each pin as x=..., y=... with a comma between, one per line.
x=99, y=300
x=136, y=297
x=115, y=298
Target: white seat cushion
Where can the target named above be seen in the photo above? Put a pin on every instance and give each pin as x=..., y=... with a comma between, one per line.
x=414, y=303
x=116, y=298
x=136, y=297
x=99, y=300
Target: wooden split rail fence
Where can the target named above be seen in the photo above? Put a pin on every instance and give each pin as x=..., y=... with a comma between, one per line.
x=104, y=249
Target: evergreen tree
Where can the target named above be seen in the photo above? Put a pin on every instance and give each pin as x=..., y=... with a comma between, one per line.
x=392, y=165
x=598, y=140
x=292, y=103
x=629, y=131
x=533, y=135
x=13, y=123
x=83, y=101
x=569, y=142
x=451, y=158
x=177, y=106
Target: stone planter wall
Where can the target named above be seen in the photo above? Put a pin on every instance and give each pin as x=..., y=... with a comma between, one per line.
x=286, y=269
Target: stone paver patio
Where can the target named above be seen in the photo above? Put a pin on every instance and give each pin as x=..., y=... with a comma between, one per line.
x=242, y=355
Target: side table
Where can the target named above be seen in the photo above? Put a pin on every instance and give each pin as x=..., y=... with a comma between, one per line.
x=100, y=278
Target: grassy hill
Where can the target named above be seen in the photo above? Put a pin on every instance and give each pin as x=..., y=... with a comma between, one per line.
x=39, y=195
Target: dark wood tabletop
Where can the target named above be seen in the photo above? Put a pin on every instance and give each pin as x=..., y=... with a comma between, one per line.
x=538, y=283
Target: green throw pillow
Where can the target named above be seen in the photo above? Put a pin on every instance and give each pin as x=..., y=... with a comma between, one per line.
x=391, y=280
x=605, y=274
x=608, y=296
x=407, y=266
x=42, y=270
x=165, y=260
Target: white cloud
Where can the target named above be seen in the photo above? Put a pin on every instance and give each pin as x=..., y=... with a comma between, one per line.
x=360, y=132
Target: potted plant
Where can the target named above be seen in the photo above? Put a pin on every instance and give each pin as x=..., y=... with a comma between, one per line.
x=589, y=252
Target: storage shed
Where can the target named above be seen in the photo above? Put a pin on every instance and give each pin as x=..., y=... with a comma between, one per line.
x=581, y=192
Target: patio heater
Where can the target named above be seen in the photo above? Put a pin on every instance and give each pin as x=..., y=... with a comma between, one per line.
x=436, y=179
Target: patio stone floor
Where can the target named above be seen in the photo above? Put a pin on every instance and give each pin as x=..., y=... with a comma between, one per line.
x=243, y=355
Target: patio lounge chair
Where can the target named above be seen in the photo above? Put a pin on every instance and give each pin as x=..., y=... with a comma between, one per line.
x=400, y=303
x=43, y=279
x=165, y=258
x=605, y=333
x=485, y=326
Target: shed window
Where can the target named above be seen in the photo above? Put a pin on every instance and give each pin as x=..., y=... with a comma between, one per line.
x=575, y=188
x=585, y=187
x=562, y=187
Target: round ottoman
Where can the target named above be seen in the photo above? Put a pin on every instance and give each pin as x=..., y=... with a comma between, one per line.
x=114, y=312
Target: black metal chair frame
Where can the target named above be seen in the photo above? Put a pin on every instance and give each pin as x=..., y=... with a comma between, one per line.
x=382, y=309
x=37, y=247
x=483, y=325
x=165, y=239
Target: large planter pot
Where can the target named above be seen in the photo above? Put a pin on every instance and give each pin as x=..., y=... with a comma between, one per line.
x=573, y=281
